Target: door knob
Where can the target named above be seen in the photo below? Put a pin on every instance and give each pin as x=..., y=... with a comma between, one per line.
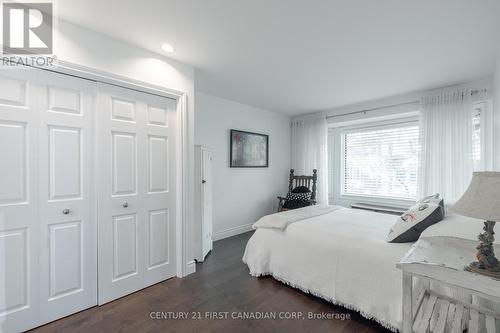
x=203, y=181
x=125, y=204
x=66, y=211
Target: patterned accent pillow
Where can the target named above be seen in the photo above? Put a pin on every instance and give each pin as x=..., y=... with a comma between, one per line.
x=294, y=204
x=301, y=189
x=306, y=196
x=408, y=227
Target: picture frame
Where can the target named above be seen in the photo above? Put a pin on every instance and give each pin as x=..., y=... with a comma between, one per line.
x=248, y=149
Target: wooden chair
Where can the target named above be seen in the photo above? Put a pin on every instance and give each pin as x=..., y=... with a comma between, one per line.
x=296, y=181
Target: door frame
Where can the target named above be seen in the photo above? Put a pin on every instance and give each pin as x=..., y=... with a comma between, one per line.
x=184, y=264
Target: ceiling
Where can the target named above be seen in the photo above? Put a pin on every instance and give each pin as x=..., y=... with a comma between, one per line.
x=298, y=56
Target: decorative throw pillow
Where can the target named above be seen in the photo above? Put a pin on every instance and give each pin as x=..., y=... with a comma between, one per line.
x=408, y=227
x=294, y=204
x=301, y=189
x=298, y=196
x=299, y=193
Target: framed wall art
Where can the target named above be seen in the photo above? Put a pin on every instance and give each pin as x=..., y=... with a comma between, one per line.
x=249, y=150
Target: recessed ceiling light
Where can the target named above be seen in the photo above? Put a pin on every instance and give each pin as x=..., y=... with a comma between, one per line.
x=167, y=48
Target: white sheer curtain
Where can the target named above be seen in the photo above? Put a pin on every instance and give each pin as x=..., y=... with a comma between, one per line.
x=446, y=157
x=309, y=151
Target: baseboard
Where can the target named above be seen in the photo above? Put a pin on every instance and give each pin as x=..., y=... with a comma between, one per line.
x=231, y=232
x=190, y=267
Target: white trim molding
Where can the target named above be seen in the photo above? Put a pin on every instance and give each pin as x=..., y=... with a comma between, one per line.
x=233, y=231
x=183, y=227
x=190, y=268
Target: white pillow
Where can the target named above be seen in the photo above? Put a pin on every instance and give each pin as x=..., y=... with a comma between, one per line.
x=456, y=226
x=447, y=207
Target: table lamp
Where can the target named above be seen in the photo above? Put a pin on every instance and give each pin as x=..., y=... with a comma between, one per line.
x=482, y=201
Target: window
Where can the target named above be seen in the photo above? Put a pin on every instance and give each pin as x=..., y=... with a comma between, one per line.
x=381, y=161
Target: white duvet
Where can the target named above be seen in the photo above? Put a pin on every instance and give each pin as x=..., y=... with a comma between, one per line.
x=341, y=256
x=282, y=220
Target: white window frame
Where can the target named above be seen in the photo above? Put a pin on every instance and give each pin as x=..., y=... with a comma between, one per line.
x=337, y=184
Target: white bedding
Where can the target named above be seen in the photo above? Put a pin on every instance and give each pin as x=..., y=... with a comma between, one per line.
x=282, y=220
x=342, y=257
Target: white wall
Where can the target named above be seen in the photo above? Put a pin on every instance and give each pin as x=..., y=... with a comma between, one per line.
x=242, y=195
x=86, y=48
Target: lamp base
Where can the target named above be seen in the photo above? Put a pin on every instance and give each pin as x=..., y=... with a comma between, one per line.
x=486, y=264
x=475, y=267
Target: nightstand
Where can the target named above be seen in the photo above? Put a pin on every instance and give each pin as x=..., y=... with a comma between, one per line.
x=438, y=262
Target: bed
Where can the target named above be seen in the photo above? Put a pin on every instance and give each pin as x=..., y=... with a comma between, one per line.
x=342, y=256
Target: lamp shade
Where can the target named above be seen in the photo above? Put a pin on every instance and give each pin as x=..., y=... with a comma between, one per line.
x=482, y=199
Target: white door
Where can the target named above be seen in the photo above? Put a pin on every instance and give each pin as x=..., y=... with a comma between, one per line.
x=48, y=263
x=67, y=213
x=207, y=201
x=136, y=190
x=19, y=227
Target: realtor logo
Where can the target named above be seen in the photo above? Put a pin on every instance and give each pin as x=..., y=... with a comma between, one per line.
x=27, y=28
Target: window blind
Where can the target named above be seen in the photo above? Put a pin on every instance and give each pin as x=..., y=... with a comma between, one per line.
x=381, y=161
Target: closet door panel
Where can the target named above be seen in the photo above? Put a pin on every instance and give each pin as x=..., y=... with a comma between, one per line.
x=119, y=215
x=13, y=178
x=124, y=246
x=19, y=229
x=14, y=257
x=123, y=109
x=136, y=191
x=158, y=156
x=65, y=100
x=158, y=238
x=65, y=164
x=67, y=202
x=124, y=163
x=66, y=266
x=14, y=88
x=158, y=187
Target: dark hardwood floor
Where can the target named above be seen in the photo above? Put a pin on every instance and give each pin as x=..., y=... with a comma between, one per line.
x=221, y=284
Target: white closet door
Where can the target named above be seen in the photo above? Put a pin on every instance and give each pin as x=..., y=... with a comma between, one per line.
x=67, y=215
x=19, y=230
x=137, y=154
x=48, y=262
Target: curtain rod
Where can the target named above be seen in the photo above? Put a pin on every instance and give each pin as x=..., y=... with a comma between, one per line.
x=372, y=109
x=473, y=92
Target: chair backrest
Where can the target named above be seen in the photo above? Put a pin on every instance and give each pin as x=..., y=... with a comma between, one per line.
x=307, y=181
